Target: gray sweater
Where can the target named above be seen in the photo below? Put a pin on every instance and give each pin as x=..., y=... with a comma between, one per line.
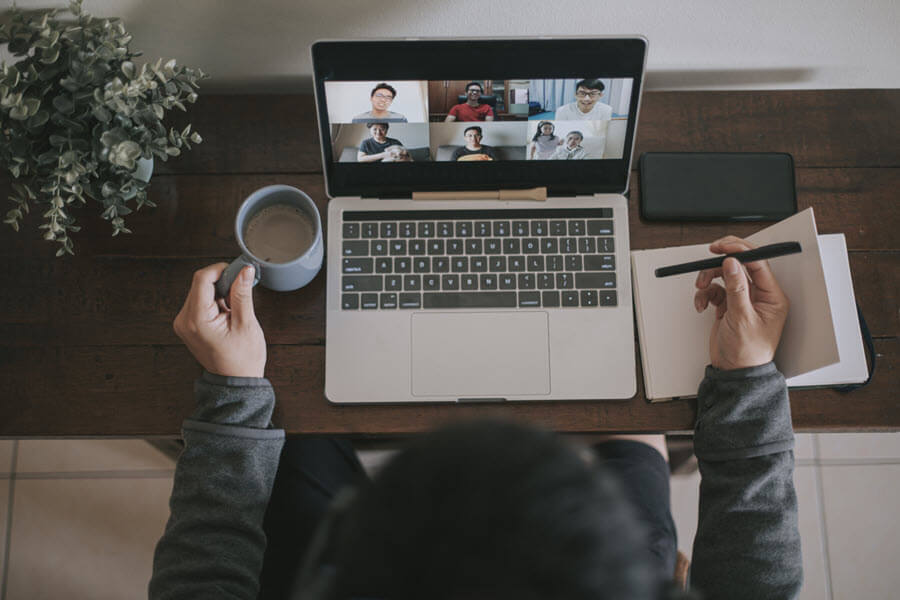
x=747, y=543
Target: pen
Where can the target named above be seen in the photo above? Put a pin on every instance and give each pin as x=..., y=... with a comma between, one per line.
x=761, y=253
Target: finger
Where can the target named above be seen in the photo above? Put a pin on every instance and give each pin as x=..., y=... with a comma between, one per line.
x=714, y=294
x=203, y=292
x=759, y=271
x=241, y=297
x=737, y=287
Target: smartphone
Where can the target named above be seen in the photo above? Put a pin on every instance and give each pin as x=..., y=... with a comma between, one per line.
x=717, y=186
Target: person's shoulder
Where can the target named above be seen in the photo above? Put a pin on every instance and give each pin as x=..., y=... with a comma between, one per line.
x=363, y=116
x=454, y=109
x=605, y=109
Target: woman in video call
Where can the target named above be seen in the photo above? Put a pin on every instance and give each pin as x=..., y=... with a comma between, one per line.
x=544, y=142
x=474, y=149
x=374, y=149
x=573, y=149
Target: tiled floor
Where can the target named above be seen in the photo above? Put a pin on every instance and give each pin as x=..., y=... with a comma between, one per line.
x=80, y=519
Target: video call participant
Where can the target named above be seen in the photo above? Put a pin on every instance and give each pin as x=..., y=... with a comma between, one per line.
x=544, y=142
x=471, y=109
x=374, y=149
x=381, y=97
x=474, y=149
x=572, y=150
x=587, y=106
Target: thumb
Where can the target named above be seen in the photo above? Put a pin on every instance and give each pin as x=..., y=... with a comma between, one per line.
x=241, y=299
x=737, y=287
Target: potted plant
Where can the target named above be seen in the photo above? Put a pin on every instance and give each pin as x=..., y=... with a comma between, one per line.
x=80, y=120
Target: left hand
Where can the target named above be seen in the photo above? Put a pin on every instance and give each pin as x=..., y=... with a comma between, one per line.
x=224, y=341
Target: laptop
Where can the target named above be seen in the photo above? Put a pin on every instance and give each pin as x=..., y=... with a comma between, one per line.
x=477, y=229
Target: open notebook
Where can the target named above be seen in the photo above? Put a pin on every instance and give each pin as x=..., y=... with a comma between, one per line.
x=821, y=343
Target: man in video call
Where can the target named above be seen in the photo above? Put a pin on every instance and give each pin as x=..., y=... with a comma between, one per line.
x=374, y=149
x=471, y=109
x=473, y=150
x=381, y=97
x=587, y=105
x=485, y=509
x=572, y=149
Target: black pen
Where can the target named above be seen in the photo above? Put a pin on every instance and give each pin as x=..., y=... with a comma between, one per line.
x=761, y=253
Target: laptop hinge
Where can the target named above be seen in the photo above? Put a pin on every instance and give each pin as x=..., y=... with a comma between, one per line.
x=538, y=194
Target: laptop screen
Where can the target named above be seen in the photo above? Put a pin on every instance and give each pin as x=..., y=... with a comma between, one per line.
x=444, y=115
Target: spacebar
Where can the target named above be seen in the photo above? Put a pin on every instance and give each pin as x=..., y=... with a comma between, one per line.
x=470, y=300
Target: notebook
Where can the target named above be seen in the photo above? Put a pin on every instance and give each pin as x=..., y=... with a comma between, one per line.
x=477, y=225
x=821, y=343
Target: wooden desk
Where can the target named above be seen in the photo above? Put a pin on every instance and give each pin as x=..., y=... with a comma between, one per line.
x=86, y=343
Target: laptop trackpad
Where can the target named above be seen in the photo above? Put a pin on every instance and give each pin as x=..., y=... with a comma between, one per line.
x=482, y=355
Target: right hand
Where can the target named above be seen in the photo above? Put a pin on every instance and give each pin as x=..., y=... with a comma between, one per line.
x=750, y=311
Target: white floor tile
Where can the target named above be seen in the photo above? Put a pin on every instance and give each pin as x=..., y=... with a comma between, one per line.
x=815, y=573
x=6, y=453
x=43, y=456
x=863, y=530
x=804, y=448
x=85, y=538
x=685, y=502
x=859, y=446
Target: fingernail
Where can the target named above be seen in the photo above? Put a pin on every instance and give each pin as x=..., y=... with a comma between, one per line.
x=731, y=266
x=248, y=275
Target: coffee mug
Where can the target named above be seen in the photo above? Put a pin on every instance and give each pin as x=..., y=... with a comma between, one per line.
x=279, y=231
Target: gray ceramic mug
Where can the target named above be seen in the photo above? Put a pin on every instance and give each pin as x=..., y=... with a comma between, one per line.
x=277, y=276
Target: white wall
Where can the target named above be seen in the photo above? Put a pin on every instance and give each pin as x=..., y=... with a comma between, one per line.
x=695, y=44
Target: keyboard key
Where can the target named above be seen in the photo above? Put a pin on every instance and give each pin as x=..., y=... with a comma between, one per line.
x=426, y=229
x=389, y=300
x=595, y=280
x=478, y=264
x=599, y=228
x=482, y=228
x=529, y=299
x=379, y=247
x=493, y=246
x=557, y=228
x=569, y=298
x=349, y=301
x=435, y=247
x=507, y=281
x=539, y=228
x=412, y=283
x=369, y=301
x=546, y=281
x=473, y=246
x=445, y=229
x=530, y=246
x=464, y=229
x=488, y=282
x=600, y=262
x=356, y=248
x=440, y=264
x=402, y=264
x=370, y=230
x=586, y=245
x=501, y=228
x=568, y=245
x=576, y=227
x=607, y=298
x=520, y=228
x=398, y=247
x=535, y=263
x=516, y=263
x=564, y=281
x=450, y=282
x=410, y=300
x=454, y=246
x=526, y=281
x=605, y=244
x=511, y=246
x=460, y=264
x=357, y=265
x=550, y=299
x=407, y=230
x=573, y=262
x=383, y=265
x=469, y=282
x=497, y=264
x=555, y=263
x=393, y=283
x=549, y=246
x=351, y=230
x=589, y=297
x=421, y=265
x=388, y=229
x=417, y=247
x=470, y=300
x=431, y=282
x=361, y=283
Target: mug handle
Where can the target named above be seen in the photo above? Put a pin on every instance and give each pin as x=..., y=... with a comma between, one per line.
x=223, y=285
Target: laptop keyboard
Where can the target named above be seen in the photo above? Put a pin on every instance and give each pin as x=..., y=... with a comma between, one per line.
x=468, y=259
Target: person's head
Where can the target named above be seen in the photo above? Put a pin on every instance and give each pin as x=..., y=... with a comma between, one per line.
x=543, y=128
x=474, y=90
x=573, y=139
x=378, y=130
x=382, y=95
x=489, y=509
x=587, y=93
x=473, y=135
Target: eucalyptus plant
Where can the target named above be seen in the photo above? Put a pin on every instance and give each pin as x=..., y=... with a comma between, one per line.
x=77, y=115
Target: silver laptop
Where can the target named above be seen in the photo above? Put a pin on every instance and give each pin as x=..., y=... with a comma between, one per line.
x=477, y=229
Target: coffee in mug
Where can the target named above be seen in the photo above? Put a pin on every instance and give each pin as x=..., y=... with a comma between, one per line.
x=279, y=233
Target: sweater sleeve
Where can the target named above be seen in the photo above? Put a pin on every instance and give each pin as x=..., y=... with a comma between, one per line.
x=213, y=544
x=748, y=542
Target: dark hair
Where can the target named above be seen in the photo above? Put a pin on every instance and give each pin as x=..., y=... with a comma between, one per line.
x=471, y=83
x=591, y=84
x=476, y=128
x=490, y=509
x=371, y=125
x=383, y=86
x=538, y=133
x=581, y=135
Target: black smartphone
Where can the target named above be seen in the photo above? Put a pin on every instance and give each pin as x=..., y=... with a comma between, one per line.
x=717, y=186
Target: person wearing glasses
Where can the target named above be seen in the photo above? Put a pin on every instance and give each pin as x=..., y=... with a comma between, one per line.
x=587, y=105
x=381, y=97
x=471, y=109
